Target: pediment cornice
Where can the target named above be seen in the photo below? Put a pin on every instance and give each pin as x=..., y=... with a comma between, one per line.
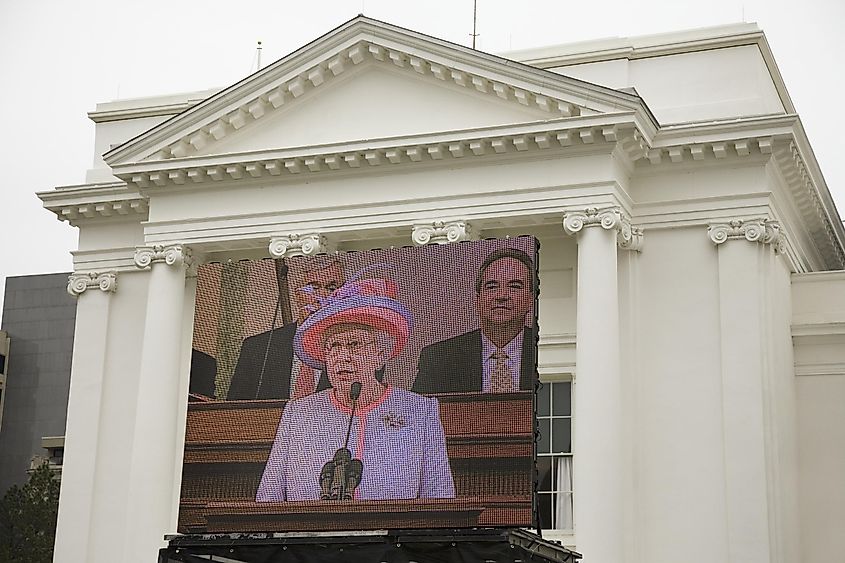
x=522, y=139
x=358, y=43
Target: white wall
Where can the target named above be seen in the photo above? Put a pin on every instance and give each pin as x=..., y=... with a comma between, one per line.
x=700, y=86
x=678, y=501
x=818, y=320
x=110, y=134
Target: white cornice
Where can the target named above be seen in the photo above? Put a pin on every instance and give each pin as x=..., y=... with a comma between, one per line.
x=725, y=130
x=154, y=106
x=78, y=203
x=363, y=41
x=524, y=138
x=800, y=171
x=699, y=141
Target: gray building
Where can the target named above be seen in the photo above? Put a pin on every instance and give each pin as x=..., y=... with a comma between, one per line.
x=38, y=318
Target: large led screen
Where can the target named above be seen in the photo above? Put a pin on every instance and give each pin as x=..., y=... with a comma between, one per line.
x=386, y=389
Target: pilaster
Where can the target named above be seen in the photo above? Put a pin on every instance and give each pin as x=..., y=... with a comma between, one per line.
x=83, y=412
x=748, y=270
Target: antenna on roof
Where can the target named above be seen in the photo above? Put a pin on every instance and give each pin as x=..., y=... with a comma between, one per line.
x=474, y=20
x=259, y=55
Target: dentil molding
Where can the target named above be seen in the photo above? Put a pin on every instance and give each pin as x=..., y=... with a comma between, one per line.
x=442, y=232
x=628, y=236
x=79, y=283
x=284, y=246
x=172, y=255
x=761, y=231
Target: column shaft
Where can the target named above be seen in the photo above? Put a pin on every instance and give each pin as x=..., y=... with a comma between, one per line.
x=82, y=429
x=155, y=451
x=598, y=426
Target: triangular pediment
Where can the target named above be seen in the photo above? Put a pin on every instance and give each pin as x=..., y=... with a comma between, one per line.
x=367, y=80
x=375, y=102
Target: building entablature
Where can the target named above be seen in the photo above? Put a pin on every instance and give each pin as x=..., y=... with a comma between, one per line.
x=227, y=232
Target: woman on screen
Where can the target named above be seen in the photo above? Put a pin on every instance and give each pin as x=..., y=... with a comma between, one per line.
x=359, y=439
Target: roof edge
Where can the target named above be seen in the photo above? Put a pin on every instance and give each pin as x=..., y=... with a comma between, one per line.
x=148, y=106
x=652, y=45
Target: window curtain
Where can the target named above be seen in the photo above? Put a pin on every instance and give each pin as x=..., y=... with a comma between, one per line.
x=563, y=508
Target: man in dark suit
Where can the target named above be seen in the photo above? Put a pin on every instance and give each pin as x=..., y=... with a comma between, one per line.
x=499, y=357
x=267, y=367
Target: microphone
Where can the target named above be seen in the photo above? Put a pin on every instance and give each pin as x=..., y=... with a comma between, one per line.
x=341, y=475
x=354, y=393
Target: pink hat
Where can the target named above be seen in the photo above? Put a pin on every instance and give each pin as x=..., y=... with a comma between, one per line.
x=368, y=302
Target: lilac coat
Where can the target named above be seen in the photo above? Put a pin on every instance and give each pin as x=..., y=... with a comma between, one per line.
x=399, y=438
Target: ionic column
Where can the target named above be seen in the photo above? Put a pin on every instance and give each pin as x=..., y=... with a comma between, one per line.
x=93, y=290
x=597, y=437
x=155, y=451
x=744, y=250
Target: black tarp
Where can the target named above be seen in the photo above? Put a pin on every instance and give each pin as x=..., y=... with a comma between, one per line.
x=495, y=546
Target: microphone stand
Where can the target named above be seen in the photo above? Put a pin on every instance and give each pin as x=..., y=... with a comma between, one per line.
x=341, y=475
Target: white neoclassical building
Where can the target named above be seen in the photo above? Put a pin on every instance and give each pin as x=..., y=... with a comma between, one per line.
x=692, y=293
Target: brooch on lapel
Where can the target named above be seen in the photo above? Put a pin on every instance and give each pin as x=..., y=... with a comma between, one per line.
x=393, y=420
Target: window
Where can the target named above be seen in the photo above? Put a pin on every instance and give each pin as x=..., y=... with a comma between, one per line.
x=554, y=455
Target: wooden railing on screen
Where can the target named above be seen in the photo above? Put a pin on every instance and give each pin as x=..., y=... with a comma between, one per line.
x=489, y=439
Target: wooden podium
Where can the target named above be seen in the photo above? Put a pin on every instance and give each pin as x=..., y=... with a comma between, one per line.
x=489, y=440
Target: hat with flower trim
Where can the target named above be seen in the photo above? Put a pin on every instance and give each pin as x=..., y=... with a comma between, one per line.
x=369, y=302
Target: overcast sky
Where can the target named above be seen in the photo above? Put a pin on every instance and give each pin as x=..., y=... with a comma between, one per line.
x=58, y=59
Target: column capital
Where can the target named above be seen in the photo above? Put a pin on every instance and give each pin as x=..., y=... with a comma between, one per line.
x=79, y=282
x=759, y=230
x=628, y=236
x=171, y=254
x=284, y=246
x=442, y=232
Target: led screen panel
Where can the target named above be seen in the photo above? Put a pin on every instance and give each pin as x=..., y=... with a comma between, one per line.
x=386, y=389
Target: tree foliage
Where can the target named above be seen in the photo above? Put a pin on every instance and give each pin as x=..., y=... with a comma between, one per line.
x=28, y=519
